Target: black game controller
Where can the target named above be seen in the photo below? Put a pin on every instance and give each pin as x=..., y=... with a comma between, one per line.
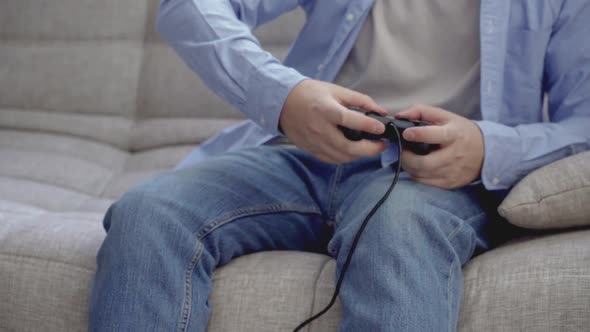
x=390, y=134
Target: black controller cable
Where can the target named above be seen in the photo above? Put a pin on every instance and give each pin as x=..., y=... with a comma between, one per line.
x=357, y=237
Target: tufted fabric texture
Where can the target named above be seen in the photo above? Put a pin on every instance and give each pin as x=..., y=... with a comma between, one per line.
x=92, y=102
x=553, y=197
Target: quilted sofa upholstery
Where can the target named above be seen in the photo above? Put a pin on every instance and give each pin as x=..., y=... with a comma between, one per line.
x=92, y=102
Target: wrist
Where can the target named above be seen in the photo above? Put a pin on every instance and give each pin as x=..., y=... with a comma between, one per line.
x=268, y=92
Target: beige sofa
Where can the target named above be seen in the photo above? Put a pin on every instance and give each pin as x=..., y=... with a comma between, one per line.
x=91, y=102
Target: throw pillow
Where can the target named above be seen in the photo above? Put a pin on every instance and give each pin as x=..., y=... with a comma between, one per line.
x=554, y=196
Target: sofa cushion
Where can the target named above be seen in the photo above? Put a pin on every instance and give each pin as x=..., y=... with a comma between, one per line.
x=536, y=284
x=47, y=261
x=555, y=196
x=73, y=19
x=63, y=173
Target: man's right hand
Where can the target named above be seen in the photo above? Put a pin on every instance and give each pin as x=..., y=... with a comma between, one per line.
x=312, y=113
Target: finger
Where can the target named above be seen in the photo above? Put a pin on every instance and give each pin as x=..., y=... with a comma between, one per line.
x=327, y=152
x=412, y=164
x=426, y=113
x=349, y=97
x=364, y=148
x=330, y=155
x=355, y=150
x=438, y=159
x=430, y=134
x=320, y=147
x=441, y=172
x=355, y=120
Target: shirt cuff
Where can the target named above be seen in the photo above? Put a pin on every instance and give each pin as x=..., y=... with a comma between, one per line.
x=502, y=155
x=268, y=90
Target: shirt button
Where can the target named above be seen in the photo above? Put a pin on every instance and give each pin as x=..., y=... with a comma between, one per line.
x=490, y=88
x=490, y=27
x=262, y=120
x=321, y=67
x=350, y=17
x=495, y=181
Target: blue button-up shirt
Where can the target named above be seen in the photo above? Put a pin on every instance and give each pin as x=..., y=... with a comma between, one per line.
x=529, y=49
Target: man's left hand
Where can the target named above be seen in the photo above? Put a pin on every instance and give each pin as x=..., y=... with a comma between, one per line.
x=459, y=159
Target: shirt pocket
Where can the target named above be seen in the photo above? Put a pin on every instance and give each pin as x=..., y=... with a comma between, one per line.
x=523, y=72
x=533, y=14
x=525, y=55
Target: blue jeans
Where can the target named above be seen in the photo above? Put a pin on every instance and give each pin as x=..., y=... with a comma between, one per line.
x=166, y=237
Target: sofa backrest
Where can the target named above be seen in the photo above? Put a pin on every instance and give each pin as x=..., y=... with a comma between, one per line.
x=98, y=71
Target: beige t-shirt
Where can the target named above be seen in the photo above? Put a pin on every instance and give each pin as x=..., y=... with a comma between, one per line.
x=418, y=51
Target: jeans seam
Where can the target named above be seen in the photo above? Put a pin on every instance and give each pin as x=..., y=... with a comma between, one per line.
x=188, y=282
x=450, y=295
x=213, y=224
x=451, y=274
x=333, y=191
x=455, y=232
x=458, y=228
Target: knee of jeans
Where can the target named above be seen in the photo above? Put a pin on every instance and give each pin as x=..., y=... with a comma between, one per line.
x=421, y=215
x=140, y=216
x=405, y=223
x=421, y=230
x=401, y=222
x=125, y=211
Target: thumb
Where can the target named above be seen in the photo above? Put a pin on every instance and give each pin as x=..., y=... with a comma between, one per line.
x=349, y=97
x=356, y=121
x=426, y=113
